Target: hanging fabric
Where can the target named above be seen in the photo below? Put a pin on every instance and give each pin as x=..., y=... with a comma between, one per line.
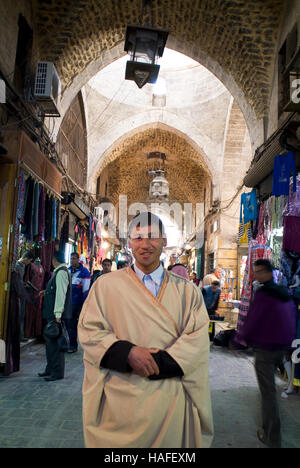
x=245, y=231
x=292, y=207
x=284, y=165
x=249, y=206
x=41, y=215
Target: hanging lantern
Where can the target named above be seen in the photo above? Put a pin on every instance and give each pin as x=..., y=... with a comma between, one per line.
x=159, y=187
x=144, y=45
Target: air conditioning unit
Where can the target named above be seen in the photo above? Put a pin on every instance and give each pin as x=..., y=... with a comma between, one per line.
x=293, y=48
x=47, y=88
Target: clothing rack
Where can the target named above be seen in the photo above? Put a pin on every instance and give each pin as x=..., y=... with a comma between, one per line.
x=22, y=163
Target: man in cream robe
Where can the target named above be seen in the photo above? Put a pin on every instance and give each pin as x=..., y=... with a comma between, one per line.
x=140, y=407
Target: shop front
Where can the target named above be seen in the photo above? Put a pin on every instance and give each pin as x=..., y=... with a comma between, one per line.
x=30, y=215
x=274, y=229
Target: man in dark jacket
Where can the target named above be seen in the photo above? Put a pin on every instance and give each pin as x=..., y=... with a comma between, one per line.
x=211, y=296
x=270, y=328
x=80, y=288
x=57, y=305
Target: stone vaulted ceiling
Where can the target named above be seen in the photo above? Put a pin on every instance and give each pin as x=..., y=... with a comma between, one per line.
x=128, y=166
x=240, y=36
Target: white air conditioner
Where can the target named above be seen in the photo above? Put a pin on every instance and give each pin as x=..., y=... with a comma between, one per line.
x=47, y=88
x=293, y=48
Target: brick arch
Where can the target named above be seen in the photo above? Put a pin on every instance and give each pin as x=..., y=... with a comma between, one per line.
x=107, y=57
x=235, y=40
x=126, y=161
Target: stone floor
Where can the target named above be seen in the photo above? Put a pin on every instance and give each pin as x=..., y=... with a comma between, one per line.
x=37, y=414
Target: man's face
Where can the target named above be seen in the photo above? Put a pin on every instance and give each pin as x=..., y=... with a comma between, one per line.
x=214, y=288
x=262, y=275
x=147, y=245
x=74, y=261
x=218, y=272
x=106, y=267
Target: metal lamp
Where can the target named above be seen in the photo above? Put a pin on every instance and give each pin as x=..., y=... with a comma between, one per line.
x=144, y=45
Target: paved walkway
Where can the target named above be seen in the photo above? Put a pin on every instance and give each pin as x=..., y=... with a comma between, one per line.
x=38, y=414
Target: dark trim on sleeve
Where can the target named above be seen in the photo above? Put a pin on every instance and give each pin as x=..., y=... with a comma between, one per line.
x=167, y=365
x=116, y=357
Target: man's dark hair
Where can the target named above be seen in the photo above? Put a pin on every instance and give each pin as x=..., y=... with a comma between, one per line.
x=75, y=254
x=146, y=219
x=265, y=263
x=28, y=255
x=107, y=260
x=59, y=256
x=215, y=283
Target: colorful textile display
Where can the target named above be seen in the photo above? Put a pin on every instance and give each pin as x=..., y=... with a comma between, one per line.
x=284, y=165
x=249, y=206
x=292, y=207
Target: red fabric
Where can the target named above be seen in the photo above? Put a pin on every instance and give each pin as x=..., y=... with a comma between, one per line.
x=291, y=233
x=33, y=317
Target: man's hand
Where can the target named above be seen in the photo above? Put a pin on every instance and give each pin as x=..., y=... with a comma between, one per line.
x=142, y=362
x=58, y=320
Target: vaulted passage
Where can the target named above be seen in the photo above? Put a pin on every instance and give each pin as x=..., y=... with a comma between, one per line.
x=212, y=147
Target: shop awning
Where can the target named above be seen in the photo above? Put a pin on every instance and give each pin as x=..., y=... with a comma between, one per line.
x=75, y=205
x=264, y=166
x=263, y=162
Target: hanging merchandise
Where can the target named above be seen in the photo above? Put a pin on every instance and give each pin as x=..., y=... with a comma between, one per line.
x=291, y=233
x=34, y=280
x=245, y=233
x=284, y=165
x=296, y=380
x=291, y=220
x=34, y=230
x=289, y=267
x=249, y=206
x=292, y=206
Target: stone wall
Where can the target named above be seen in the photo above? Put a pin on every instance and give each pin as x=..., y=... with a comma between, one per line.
x=9, y=15
x=288, y=21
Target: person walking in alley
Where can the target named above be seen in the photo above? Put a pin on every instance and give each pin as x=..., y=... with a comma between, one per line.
x=270, y=329
x=57, y=306
x=144, y=332
x=211, y=296
x=80, y=288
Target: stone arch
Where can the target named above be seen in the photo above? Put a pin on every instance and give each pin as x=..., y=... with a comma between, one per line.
x=127, y=162
x=124, y=134
x=109, y=56
x=236, y=40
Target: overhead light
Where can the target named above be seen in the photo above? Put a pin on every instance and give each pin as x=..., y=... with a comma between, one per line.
x=144, y=45
x=159, y=187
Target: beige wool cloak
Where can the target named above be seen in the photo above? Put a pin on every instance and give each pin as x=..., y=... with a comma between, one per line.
x=124, y=410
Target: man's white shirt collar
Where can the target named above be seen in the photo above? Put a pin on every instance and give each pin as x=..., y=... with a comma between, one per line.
x=156, y=275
